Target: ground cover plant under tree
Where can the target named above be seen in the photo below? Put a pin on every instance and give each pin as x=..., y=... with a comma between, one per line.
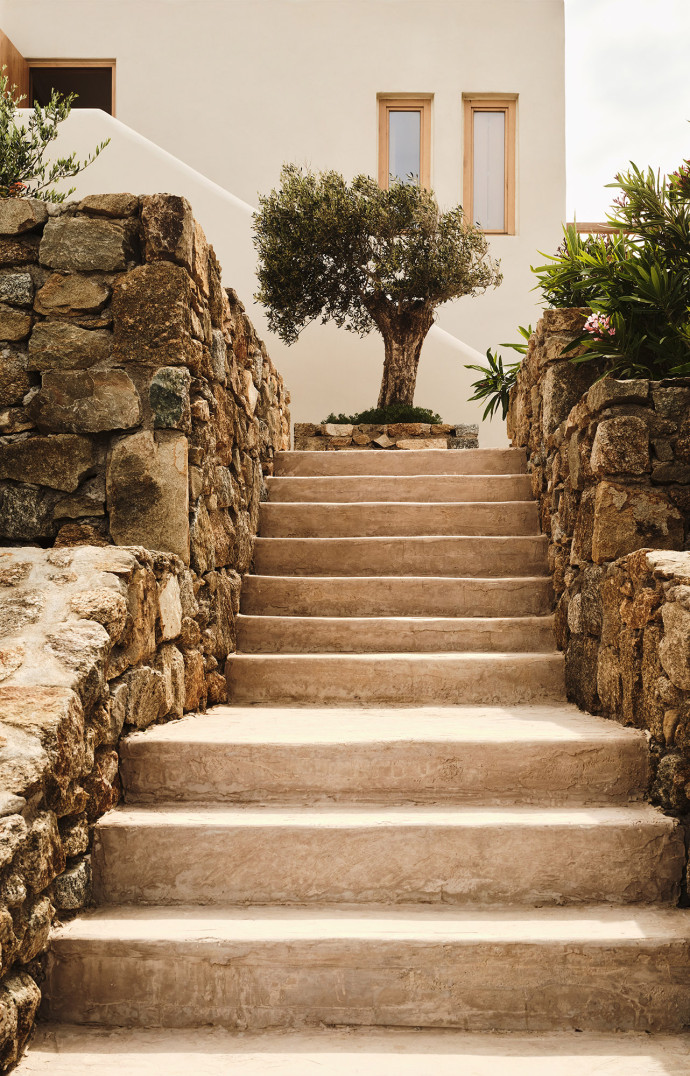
x=365, y=258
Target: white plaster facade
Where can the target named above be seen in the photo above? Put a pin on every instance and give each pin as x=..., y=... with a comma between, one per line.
x=233, y=88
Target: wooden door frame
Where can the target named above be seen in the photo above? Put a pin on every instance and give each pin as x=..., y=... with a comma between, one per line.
x=80, y=62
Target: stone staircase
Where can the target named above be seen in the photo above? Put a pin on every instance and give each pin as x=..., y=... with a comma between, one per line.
x=412, y=830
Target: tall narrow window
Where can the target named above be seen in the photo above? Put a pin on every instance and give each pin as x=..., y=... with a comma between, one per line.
x=405, y=140
x=489, y=172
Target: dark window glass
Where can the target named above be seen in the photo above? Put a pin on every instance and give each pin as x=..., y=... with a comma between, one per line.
x=94, y=85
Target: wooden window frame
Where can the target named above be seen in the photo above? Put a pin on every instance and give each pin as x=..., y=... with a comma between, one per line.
x=74, y=63
x=486, y=103
x=401, y=103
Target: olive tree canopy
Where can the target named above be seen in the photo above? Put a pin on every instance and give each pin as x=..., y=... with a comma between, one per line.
x=365, y=258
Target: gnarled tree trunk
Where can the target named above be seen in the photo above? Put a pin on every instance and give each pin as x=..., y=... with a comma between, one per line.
x=403, y=346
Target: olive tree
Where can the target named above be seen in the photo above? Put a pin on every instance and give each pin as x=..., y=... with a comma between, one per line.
x=365, y=258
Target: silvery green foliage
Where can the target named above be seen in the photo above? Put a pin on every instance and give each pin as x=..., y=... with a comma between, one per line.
x=361, y=256
x=24, y=171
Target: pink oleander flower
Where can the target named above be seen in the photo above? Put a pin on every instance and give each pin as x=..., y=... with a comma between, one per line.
x=599, y=325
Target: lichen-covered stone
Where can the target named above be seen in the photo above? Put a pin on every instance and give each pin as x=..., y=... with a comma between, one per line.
x=608, y=391
x=60, y=461
x=72, y=889
x=167, y=226
x=16, y=288
x=147, y=492
x=60, y=345
x=66, y=294
x=169, y=398
x=15, y=324
x=621, y=446
x=84, y=244
x=630, y=517
x=26, y=513
x=85, y=401
x=14, y=377
x=109, y=205
x=152, y=316
x=19, y=215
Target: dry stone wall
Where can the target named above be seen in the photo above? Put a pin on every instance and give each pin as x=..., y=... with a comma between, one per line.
x=139, y=413
x=327, y=436
x=610, y=466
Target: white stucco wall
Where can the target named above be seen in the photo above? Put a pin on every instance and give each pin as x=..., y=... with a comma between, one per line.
x=236, y=87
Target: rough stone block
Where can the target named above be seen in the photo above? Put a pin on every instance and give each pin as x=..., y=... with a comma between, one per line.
x=19, y=1001
x=632, y=517
x=337, y=429
x=14, y=324
x=60, y=345
x=167, y=225
x=16, y=288
x=152, y=316
x=14, y=378
x=72, y=890
x=70, y=293
x=84, y=244
x=26, y=513
x=170, y=608
x=219, y=353
x=61, y=461
x=419, y=442
x=86, y=401
x=674, y=648
x=621, y=446
x=170, y=664
x=19, y=215
x=670, y=472
x=559, y=320
x=563, y=385
x=670, y=400
x=109, y=205
x=147, y=492
x=608, y=392
x=89, y=500
x=169, y=398
x=19, y=251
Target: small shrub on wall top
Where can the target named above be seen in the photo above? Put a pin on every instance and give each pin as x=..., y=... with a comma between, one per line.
x=24, y=171
x=636, y=280
x=384, y=415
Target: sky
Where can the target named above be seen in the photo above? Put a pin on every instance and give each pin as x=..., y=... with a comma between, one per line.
x=627, y=94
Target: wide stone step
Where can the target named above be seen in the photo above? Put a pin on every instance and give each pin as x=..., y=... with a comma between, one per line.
x=510, y=969
x=480, y=754
x=395, y=679
x=275, y=595
x=392, y=634
x=366, y=519
x=420, y=488
x=184, y=854
x=64, y=1049
x=472, y=461
x=438, y=555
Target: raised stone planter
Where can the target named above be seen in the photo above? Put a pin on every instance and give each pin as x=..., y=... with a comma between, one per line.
x=329, y=436
x=610, y=468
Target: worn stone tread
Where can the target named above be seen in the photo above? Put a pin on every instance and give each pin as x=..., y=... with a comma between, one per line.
x=442, y=555
x=401, y=518
x=62, y=1050
x=482, y=461
x=384, y=488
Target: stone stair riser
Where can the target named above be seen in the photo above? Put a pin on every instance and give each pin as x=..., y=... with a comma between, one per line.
x=242, y=857
x=472, y=985
x=482, y=461
x=395, y=679
x=370, y=519
x=386, y=488
x=361, y=635
x=274, y=595
x=444, y=556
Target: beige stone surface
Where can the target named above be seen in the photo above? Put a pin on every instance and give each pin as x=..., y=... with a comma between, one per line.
x=404, y=519
x=531, y=754
x=19, y=215
x=395, y=596
x=394, y=679
x=470, y=968
x=83, y=244
x=396, y=634
x=433, y=555
x=59, y=1050
x=385, y=488
x=147, y=490
x=387, y=855
x=434, y=461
